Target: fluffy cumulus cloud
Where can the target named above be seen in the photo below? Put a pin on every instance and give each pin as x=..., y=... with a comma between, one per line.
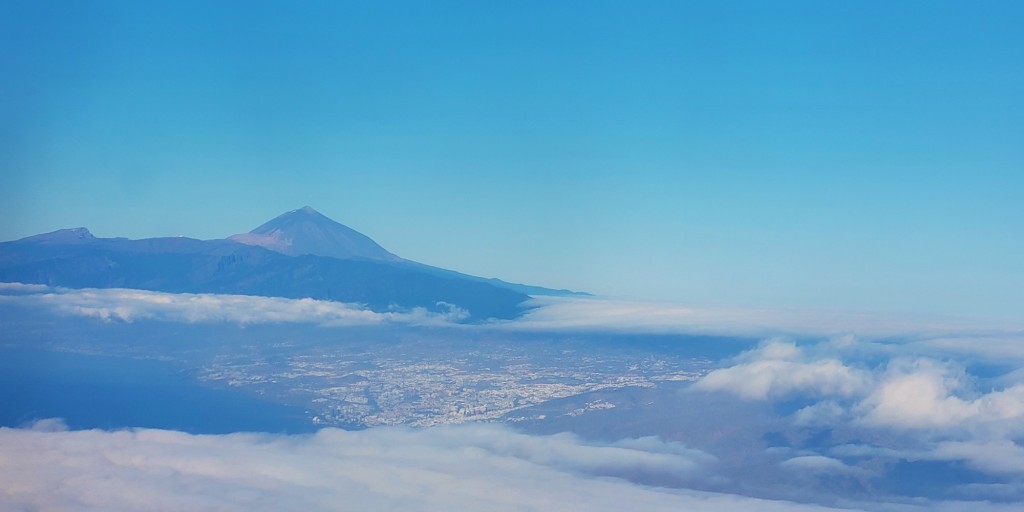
x=924, y=395
x=776, y=369
x=900, y=403
x=128, y=305
x=917, y=394
x=479, y=467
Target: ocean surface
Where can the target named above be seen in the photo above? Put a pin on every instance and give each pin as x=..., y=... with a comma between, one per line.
x=89, y=391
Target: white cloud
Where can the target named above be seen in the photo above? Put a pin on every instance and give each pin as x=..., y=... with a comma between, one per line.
x=129, y=305
x=775, y=370
x=776, y=379
x=823, y=413
x=1006, y=348
x=548, y=313
x=819, y=464
x=920, y=393
x=996, y=456
x=911, y=408
x=477, y=467
x=925, y=394
x=910, y=399
x=601, y=314
x=1001, y=457
x=23, y=288
x=916, y=394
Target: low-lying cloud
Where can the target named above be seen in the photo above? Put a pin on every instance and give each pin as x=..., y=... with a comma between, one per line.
x=542, y=314
x=776, y=370
x=129, y=305
x=842, y=409
x=473, y=467
x=609, y=315
x=892, y=402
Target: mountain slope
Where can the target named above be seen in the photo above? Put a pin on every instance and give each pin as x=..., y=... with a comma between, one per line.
x=184, y=265
x=307, y=231
x=516, y=287
x=296, y=255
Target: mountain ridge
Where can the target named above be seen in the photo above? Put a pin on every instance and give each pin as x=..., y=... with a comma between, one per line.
x=368, y=275
x=320, y=235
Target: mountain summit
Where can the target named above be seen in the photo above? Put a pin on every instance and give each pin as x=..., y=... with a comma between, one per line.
x=300, y=254
x=307, y=231
x=63, y=236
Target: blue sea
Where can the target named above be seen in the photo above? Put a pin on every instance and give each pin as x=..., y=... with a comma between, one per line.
x=89, y=391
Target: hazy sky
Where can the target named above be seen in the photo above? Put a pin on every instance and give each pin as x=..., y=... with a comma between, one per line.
x=865, y=156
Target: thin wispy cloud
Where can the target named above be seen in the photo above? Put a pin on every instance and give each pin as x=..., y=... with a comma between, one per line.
x=819, y=464
x=610, y=315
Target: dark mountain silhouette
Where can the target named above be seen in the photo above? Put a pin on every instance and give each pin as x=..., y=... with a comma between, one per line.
x=296, y=255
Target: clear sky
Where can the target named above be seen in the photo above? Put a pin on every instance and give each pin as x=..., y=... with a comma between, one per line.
x=845, y=155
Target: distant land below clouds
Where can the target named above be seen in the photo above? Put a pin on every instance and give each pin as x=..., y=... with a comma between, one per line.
x=888, y=417
x=299, y=254
x=569, y=314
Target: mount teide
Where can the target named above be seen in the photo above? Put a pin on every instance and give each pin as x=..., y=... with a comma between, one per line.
x=301, y=253
x=307, y=231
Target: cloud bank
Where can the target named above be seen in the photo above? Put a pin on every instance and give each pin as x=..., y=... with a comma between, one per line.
x=882, y=405
x=543, y=314
x=597, y=314
x=129, y=305
x=847, y=408
x=475, y=467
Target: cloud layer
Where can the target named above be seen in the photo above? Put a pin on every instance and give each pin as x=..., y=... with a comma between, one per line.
x=128, y=305
x=546, y=314
x=476, y=467
x=886, y=404
x=608, y=315
x=836, y=414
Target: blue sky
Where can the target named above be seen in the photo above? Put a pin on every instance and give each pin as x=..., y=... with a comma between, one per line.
x=862, y=156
